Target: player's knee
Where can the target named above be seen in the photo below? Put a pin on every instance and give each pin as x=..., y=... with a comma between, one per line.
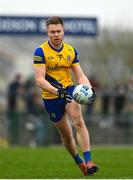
x=76, y=116
x=77, y=119
x=79, y=124
x=67, y=138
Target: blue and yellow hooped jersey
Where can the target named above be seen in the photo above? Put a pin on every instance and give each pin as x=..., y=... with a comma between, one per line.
x=58, y=64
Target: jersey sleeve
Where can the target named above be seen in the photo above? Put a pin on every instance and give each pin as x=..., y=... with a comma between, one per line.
x=76, y=59
x=39, y=57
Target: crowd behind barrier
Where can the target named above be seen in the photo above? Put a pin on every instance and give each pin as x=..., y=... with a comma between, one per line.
x=25, y=121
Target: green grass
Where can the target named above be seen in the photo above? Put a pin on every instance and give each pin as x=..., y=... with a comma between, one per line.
x=55, y=162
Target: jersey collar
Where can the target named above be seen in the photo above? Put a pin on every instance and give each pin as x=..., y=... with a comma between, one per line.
x=58, y=50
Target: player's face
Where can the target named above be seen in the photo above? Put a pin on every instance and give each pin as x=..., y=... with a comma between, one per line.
x=55, y=34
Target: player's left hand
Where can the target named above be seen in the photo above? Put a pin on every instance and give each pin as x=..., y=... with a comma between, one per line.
x=93, y=96
x=61, y=93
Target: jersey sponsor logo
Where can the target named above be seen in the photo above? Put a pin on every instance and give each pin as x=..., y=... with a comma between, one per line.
x=56, y=67
x=50, y=58
x=37, y=58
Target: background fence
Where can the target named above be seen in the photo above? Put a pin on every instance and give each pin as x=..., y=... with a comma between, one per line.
x=29, y=130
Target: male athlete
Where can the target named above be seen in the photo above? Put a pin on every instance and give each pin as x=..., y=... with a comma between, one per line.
x=53, y=61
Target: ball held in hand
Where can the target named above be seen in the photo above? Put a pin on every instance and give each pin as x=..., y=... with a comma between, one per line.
x=83, y=94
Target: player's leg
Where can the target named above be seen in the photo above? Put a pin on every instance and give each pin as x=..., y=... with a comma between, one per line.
x=64, y=128
x=65, y=131
x=57, y=114
x=74, y=110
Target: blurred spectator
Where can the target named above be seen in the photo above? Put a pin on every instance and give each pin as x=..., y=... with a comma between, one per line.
x=13, y=91
x=94, y=82
x=35, y=124
x=130, y=94
x=33, y=102
x=96, y=85
x=15, y=102
x=106, y=101
x=119, y=98
x=29, y=83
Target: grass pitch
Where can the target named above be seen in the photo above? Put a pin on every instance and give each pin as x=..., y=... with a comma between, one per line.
x=55, y=162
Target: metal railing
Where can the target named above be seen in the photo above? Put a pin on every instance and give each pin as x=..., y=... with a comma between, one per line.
x=30, y=130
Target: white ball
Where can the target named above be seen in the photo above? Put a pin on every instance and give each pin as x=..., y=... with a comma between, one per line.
x=82, y=94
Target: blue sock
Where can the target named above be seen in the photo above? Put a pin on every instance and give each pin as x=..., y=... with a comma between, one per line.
x=78, y=159
x=87, y=156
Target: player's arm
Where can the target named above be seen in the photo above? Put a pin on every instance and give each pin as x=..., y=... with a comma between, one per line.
x=78, y=72
x=79, y=75
x=82, y=79
x=40, y=72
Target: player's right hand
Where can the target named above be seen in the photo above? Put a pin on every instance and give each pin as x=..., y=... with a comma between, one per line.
x=61, y=93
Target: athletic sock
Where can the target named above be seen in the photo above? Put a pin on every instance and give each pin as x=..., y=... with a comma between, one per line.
x=78, y=159
x=87, y=156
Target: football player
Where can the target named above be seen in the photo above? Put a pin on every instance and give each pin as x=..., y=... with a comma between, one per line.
x=53, y=61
